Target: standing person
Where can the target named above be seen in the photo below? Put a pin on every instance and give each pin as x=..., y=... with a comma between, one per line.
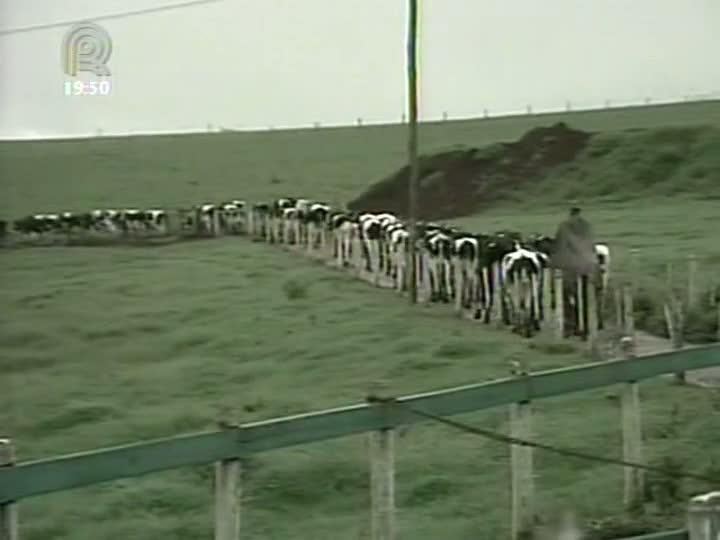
x=574, y=255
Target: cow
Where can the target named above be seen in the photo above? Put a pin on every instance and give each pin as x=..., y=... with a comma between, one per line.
x=388, y=223
x=602, y=252
x=522, y=272
x=315, y=218
x=438, y=245
x=187, y=217
x=133, y=220
x=300, y=223
x=290, y=227
x=72, y=222
x=545, y=245
x=495, y=247
x=370, y=230
x=466, y=258
x=398, y=251
x=389, y=261
x=3, y=228
x=344, y=228
x=106, y=220
x=232, y=216
x=259, y=220
x=37, y=224
x=156, y=220
x=276, y=217
x=206, y=217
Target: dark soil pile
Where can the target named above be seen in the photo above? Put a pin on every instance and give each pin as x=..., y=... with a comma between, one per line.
x=460, y=182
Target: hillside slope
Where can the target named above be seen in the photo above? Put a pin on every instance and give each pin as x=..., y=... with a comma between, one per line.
x=334, y=163
x=553, y=164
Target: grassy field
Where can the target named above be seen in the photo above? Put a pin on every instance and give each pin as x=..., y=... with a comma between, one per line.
x=335, y=163
x=106, y=345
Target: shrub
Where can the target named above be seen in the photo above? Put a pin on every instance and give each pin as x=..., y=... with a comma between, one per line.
x=294, y=290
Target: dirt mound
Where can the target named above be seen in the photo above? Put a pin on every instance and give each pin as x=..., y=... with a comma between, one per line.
x=459, y=182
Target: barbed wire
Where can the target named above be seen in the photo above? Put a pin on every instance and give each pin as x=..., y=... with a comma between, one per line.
x=121, y=15
x=499, y=437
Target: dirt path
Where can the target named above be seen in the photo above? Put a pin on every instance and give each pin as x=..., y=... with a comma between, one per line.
x=649, y=344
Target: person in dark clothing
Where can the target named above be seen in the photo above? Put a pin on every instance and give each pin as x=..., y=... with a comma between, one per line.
x=574, y=254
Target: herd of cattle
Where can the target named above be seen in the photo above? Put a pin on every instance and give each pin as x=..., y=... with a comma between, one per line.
x=502, y=272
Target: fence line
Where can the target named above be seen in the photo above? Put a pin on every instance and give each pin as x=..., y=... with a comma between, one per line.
x=32, y=478
x=229, y=445
x=569, y=107
x=360, y=121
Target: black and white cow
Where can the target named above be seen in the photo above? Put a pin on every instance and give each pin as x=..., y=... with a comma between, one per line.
x=467, y=254
x=38, y=224
x=388, y=223
x=344, y=229
x=277, y=211
x=156, y=220
x=291, y=225
x=207, y=214
x=70, y=221
x=399, y=243
x=133, y=220
x=232, y=216
x=522, y=277
x=493, y=248
x=602, y=252
x=300, y=220
x=106, y=220
x=370, y=232
x=438, y=246
x=259, y=220
x=315, y=220
x=394, y=238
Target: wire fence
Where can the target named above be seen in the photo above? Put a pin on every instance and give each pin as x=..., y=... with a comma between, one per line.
x=499, y=437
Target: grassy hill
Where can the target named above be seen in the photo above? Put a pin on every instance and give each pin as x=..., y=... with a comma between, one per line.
x=100, y=346
x=334, y=163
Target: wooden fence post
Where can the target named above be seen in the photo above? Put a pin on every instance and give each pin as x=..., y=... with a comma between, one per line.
x=620, y=319
x=580, y=307
x=592, y=318
x=249, y=220
x=692, y=282
x=381, y=445
x=459, y=287
x=523, y=492
x=548, y=318
x=717, y=307
x=311, y=234
x=375, y=262
x=674, y=319
x=216, y=222
x=631, y=433
x=634, y=268
x=420, y=273
x=8, y=512
x=227, y=497
x=496, y=308
x=703, y=517
x=628, y=311
x=559, y=305
x=269, y=228
x=427, y=289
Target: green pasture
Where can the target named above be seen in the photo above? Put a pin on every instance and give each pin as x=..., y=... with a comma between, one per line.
x=107, y=345
x=103, y=346
x=335, y=163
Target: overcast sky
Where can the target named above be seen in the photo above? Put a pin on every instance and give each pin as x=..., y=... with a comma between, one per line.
x=256, y=63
